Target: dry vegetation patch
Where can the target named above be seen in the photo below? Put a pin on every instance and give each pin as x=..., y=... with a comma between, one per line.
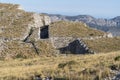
x=71, y=67
x=104, y=44
x=13, y=21
x=73, y=29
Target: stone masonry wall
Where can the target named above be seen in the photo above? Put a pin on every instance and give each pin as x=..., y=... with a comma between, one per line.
x=70, y=45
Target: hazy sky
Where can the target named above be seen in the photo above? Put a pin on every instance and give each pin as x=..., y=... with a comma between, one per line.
x=96, y=8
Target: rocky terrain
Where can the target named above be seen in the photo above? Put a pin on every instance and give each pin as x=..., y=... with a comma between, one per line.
x=33, y=46
x=19, y=31
x=24, y=34
x=108, y=25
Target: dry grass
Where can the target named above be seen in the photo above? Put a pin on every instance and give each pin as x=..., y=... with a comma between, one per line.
x=104, y=44
x=18, y=49
x=71, y=67
x=72, y=29
x=16, y=23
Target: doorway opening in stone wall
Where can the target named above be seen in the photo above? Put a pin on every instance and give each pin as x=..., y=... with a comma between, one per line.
x=44, y=32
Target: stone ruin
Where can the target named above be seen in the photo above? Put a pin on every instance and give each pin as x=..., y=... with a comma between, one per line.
x=34, y=29
x=67, y=45
x=62, y=44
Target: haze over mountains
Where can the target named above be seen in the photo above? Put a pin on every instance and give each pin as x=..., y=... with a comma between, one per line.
x=108, y=25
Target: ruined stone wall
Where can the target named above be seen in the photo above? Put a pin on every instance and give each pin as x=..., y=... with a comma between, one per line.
x=70, y=45
x=18, y=27
x=38, y=22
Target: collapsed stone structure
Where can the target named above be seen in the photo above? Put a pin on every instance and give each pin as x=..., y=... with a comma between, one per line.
x=70, y=45
x=63, y=44
x=20, y=31
x=24, y=30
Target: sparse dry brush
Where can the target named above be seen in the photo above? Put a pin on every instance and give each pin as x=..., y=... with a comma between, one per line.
x=71, y=67
x=104, y=44
x=18, y=60
x=73, y=29
x=16, y=22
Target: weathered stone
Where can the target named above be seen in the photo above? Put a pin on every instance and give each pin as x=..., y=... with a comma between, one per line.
x=69, y=45
x=74, y=47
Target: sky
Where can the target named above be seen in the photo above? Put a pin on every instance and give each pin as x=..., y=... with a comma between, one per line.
x=96, y=8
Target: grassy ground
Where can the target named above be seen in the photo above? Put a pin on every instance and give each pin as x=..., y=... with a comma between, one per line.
x=72, y=29
x=19, y=49
x=16, y=23
x=61, y=67
x=104, y=44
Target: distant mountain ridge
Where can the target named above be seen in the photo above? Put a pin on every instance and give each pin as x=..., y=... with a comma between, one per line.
x=108, y=25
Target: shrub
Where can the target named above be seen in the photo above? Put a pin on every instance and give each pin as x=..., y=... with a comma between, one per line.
x=69, y=63
x=117, y=58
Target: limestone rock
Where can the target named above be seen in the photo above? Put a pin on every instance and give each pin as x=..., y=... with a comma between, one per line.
x=41, y=20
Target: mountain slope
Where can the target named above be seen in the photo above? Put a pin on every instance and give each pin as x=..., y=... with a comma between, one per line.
x=73, y=29
x=27, y=34
x=101, y=24
x=96, y=40
x=20, y=31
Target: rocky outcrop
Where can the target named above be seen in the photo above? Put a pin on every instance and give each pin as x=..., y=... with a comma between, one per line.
x=117, y=20
x=115, y=31
x=87, y=19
